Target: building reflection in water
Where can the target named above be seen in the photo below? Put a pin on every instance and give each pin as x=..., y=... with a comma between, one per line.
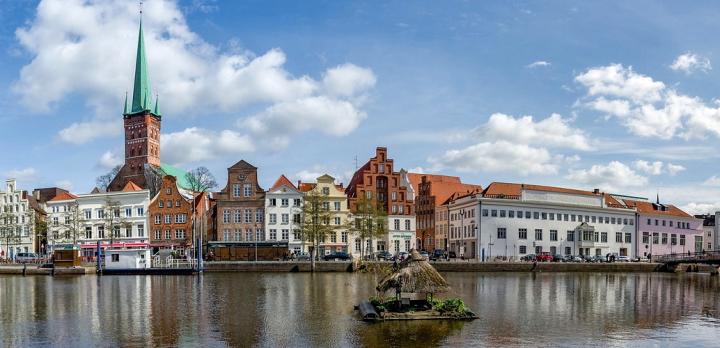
x=262, y=309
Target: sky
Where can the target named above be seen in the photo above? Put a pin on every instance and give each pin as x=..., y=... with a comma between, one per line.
x=621, y=96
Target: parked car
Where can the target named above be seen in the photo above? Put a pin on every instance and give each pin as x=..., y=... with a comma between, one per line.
x=528, y=257
x=622, y=258
x=544, y=257
x=598, y=258
x=452, y=255
x=437, y=254
x=401, y=256
x=573, y=258
x=558, y=258
x=340, y=255
x=302, y=256
x=383, y=255
x=425, y=255
x=27, y=258
x=641, y=259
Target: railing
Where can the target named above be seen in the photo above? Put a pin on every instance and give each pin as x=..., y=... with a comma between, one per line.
x=170, y=262
x=502, y=196
x=701, y=256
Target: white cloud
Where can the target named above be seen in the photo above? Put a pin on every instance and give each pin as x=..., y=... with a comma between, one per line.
x=25, y=175
x=539, y=63
x=712, y=181
x=87, y=48
x=690, y=62
x=701, y=208
x=647, y=107
x=500, y=156
x=109, y=160
x=654, y=168
x=611, y=177
x=83, y=132
x=553, y=131
x=311, y=175
x=673, y=169
x=196, y=144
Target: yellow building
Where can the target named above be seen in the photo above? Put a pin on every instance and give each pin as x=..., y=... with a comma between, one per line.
x=340, y=239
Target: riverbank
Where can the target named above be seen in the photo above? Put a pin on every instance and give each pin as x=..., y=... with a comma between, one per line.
x=304, y=266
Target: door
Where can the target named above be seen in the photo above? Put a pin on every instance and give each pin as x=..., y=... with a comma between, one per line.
x=698, y=244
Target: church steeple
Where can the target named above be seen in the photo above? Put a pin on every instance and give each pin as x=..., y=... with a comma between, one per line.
x=141, y=86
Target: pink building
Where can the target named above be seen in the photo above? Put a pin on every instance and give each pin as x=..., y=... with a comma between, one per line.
x=665, y=229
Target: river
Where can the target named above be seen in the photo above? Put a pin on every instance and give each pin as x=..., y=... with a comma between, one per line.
x=303, y=310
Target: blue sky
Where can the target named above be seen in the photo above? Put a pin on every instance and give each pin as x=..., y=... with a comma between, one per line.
x=615, y=95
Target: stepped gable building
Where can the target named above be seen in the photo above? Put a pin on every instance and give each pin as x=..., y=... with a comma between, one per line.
x=141, y=119
x=377, y=180
x=240, y=206
x=431, y=192
x=508, y=221
x=170, y=217
x=17, y=221
x=340, y=239
x=665, y=229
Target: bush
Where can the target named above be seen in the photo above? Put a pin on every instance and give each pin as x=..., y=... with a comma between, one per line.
x=452, y=306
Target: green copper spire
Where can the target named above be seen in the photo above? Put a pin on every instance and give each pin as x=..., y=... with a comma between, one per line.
x=125, y=105
x=157, y=105
x=141, y=86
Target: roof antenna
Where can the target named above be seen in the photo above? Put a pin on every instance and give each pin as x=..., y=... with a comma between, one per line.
x=141, y=7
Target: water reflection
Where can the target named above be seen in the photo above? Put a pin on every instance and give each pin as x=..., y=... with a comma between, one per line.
x=270, y=310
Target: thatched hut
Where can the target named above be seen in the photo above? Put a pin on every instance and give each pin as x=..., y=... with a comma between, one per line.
x=414, y=277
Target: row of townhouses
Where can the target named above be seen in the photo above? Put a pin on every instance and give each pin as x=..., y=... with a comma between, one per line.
x=155, y=205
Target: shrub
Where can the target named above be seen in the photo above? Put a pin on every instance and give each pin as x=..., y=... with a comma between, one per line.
x=451, y=306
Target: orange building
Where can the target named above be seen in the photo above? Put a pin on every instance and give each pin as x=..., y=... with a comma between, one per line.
x=170, y=217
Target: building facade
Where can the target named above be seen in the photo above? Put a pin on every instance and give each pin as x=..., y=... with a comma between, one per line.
x=665, y=229
x=507, y=221
x=115, y=219
x=17, y=221
x=170, y=217
x=283, y=211
x=340, y=239
x=240, y=206
x=377, y=180
x=710, y=230
x=431, y=192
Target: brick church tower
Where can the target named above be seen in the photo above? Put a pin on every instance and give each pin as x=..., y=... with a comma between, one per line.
x=141, y=119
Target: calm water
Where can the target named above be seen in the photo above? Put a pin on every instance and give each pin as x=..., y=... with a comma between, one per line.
x=298, y=310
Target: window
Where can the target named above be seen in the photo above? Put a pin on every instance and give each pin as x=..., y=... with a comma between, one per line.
x=344, y=237
x=337, y=219
x=407, y=225
x=396, y=224
x=247, y=190
x=553, y=235
x=618, y=237
x=88, y=214
x=682, y=239
x=502, y=213
x=552, y=216
x=538, y=234
x=536, y=215
x=272, y=202
x=493, y=213
x=167, y=234
x=158, y=235
x=326, y=192
x=337, y=206
x=114, y=257
x=511, y=213
x=664, y=238
x=273, y=234
x=248, y=216
x=656, y=238
x=141, y=230
x=141, y=211
x=128, y=232
x=101, y=232
x=568, y=251
x=273, y=219
x=236, y=190
x=593, y=218
x=673, y=239
x=285, y=234
x=296, y=202
x=161, y=204
x=603, y=237
x=527, y=214
x=570, y=236
x=248, y=235
x=128, y=212
x=88, y=232
x=285, y=202
x=646, y=238
x=628, y=237
x=326, y=206
x=238, y=216
x=259, y=215
x=285, y=219
x=663, y=222
x=180, y=218
x=544, y=216
x=179, y=234
x=296, y=218
x=656, y=222
x=572, y=217
x=522, y=233
x=167, y=218
x=484, y=212
x=501, y=233
x=226, y=216
x=177, y=203
x=522, y=250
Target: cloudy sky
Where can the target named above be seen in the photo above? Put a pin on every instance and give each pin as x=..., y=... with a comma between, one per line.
x=619, y=96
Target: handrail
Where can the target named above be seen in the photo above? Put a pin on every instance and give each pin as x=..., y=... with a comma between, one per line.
x=688, y=256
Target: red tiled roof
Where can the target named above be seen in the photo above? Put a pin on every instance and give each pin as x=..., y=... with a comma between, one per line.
x=645, y=207
x=306, y=186
x=512, y=189
x=63, y=196
x=282, y=180
x=130, y=187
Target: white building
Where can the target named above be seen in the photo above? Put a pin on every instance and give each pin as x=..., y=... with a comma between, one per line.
x=508, y=221
x=283, y=208
x=118, y=217
x=336, y=202
x=17, y=225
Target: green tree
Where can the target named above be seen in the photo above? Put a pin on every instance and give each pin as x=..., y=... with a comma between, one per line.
x=315, y=221
x=368, y=221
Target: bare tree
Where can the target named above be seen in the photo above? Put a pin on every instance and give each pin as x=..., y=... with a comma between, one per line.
x=153, y=179
x=112, y=219
x=315, y=221
x=200, y=180
x=368, y=222
x=73, y=221
x=103, y=181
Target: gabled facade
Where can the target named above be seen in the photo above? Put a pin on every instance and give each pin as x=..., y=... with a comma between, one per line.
x=240, y=206
x=337, y=203
x=392, y=189
x=665, y=229
x=711, y=233
x=17, y=221
x=283, y=209
x=507, y=221
x=170, y=217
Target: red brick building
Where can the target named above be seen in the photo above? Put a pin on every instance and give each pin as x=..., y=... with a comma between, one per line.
x=239, y=207
x=378, y=180
x=431, y=192
x=170, y=217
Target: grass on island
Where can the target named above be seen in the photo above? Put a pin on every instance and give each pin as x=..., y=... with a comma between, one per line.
x=451, y=307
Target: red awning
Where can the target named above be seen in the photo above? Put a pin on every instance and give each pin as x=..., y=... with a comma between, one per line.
x=116, y=245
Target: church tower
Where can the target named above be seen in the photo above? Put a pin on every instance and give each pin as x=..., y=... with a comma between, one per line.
x=141, y=119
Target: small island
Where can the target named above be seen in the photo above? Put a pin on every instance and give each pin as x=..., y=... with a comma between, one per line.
x=415, y=282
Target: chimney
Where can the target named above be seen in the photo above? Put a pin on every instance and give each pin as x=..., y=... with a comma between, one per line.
x=596, y=191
